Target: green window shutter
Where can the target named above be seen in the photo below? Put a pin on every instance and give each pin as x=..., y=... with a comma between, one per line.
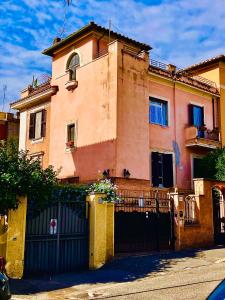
x=32, y=126
x=43, y=123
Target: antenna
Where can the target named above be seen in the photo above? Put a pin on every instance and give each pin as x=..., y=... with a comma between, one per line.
x=110, y=24
x=62, y=30
x=4, y=96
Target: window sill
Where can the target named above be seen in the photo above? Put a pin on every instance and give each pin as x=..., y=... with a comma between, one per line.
x=69, y=149
x=36, y=141
x=71, y=85
x=162, y=126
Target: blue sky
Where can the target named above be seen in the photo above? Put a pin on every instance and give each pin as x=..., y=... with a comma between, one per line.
x=181, y=32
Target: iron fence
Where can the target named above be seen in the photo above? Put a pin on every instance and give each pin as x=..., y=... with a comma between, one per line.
x=190, y=213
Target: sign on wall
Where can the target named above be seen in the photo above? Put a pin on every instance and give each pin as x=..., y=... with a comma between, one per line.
x=53, y=226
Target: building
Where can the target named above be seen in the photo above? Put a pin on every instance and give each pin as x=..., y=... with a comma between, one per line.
x=9, y=126
x=111, y=109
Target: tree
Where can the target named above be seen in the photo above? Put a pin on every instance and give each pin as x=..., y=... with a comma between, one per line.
x=20, y=175
x=213, y=165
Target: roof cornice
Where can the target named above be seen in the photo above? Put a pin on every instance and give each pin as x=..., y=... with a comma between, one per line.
x=95, y=28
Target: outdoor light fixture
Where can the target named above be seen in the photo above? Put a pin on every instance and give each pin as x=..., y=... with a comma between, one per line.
x=126, y=173
x=105, y=173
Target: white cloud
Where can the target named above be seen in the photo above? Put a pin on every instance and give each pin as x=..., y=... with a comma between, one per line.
x=180, y=31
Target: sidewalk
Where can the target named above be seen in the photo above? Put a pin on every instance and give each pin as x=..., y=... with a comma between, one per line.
x=173, y=275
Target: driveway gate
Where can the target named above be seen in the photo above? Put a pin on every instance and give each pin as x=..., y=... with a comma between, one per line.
x=57, y=238
x=144, y=222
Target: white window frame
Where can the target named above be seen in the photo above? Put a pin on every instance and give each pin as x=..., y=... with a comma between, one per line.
x=168, y=109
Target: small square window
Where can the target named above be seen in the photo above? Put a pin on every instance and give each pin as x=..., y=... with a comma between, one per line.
x=158, y=112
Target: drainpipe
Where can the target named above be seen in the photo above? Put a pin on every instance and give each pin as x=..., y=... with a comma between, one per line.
x=213, y=111
x=172, y=69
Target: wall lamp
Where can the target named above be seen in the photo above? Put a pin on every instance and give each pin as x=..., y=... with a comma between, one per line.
x=105, y=173
x=126, y=173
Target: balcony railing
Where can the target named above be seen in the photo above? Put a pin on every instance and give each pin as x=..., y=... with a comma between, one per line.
x=202, y=137
x=158, y=64
x=198, y=78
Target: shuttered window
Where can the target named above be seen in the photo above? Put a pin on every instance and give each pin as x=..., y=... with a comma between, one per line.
x=162, y=169
x=37, y=128
x=196, y=117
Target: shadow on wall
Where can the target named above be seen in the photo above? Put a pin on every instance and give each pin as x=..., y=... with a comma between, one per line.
x=88, y=160
x=123, y=269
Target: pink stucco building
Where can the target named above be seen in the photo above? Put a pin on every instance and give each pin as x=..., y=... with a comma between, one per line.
x=110, y=109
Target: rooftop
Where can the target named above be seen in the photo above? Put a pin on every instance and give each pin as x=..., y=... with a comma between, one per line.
x=96, y=28
x=206, y=63
x=181, y=76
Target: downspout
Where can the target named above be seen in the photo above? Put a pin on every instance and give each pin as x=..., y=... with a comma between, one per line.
x=98, y=40
x=213, y=111
x=175, y=123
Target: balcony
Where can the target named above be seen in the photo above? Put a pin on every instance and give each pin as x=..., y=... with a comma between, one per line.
x=202, y=137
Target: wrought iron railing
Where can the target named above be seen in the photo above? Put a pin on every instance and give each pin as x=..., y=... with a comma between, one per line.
x=158, y=64
x=198, y=78
x=190, y=212
x=208, y=134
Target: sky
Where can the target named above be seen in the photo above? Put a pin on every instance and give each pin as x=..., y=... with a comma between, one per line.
x=181, y=32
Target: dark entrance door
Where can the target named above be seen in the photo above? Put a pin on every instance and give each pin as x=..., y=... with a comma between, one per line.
x=218, y=216
x=143, y=223
x=56, y=238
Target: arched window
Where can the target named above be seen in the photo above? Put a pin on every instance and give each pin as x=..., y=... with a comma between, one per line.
x=72, y=64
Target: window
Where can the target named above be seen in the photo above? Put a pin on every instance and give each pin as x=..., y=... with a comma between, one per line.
x=71, y=133
x=196, y=118
x=158, y=112
x=72, y=64
x=37, y=127
x=70, y=139
x=162, y=169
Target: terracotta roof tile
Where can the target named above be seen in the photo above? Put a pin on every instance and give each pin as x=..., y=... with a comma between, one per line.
x=178, y=76
x=88, y=28
x=206, y=63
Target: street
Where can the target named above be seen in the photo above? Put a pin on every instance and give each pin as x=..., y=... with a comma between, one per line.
x=173, y=275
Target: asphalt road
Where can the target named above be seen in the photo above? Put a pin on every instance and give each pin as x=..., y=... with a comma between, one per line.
x=172, y=275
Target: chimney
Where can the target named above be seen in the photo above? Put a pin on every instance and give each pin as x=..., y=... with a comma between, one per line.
x=56, y=40
x=171, y=68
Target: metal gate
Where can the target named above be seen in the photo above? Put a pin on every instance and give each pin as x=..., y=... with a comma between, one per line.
x=218, y=216
x=57, y=238
x=144, y=222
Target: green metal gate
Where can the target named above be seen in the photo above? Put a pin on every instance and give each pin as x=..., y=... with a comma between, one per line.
x=57, y=238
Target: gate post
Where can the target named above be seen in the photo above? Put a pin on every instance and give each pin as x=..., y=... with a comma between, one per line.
x=16, y=240
x=101, y=231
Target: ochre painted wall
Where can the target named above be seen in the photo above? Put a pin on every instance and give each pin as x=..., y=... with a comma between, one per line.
x=110, y=108
x=16, y=240
x=92, y=107
x=136, y=138
x=101, y=231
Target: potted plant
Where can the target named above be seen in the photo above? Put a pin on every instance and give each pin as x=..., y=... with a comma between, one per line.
x=70, y=144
